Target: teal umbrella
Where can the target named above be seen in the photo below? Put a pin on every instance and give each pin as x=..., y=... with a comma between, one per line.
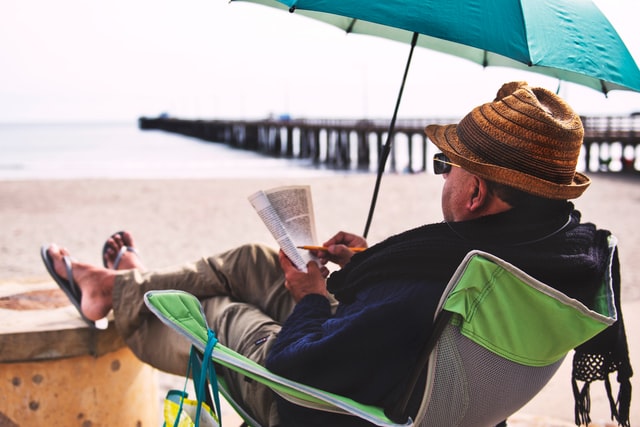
x=570, y=40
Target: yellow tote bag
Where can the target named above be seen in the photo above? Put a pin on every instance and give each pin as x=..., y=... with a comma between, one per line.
x=176, y=399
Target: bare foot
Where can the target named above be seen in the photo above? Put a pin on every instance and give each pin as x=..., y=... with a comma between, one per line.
x=95, y=283
x=120, y=253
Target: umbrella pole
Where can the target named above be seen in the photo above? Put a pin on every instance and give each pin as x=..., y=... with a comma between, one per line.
x=386, y=149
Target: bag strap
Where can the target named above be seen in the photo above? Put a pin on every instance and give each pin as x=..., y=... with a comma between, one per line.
x=204, y=371
x=204, y=374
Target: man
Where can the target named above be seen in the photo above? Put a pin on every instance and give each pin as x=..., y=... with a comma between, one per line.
x=509, y=169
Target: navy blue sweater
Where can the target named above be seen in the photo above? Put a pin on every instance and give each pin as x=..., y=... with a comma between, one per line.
x=390, y=321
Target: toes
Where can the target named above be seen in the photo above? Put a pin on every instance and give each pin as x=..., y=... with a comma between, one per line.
x=112, y=247
x=56, y=252
x=116, y=239
x=109, y=257
x=57, y=255
x=123, y=238
x=113, y=251
x=126, y=238
x=109, y=249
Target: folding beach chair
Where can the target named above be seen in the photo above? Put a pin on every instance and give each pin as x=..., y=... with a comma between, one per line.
x=500, y=336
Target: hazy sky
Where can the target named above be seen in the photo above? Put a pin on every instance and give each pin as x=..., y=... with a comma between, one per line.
x=89, y=60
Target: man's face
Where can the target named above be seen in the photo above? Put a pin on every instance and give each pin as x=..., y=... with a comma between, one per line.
x=457, y=192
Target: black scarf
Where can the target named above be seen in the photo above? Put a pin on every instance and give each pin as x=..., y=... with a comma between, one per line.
x=553, y=247
x=599, y=357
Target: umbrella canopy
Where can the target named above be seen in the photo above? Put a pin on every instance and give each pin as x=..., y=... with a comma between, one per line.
x=566, y=39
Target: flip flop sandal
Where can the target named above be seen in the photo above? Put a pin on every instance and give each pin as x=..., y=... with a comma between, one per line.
x=69, y=286
x=121, y=252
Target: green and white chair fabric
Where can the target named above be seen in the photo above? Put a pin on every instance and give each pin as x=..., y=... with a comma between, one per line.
x=501, y=336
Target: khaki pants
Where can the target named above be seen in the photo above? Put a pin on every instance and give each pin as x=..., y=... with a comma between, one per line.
x=245, y=302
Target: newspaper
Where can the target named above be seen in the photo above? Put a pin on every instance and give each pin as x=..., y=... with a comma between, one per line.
x=288, y=214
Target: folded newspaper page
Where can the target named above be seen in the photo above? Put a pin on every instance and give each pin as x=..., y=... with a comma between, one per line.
x=288, y=214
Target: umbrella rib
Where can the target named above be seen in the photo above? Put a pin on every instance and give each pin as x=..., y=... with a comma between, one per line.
x=350, y=27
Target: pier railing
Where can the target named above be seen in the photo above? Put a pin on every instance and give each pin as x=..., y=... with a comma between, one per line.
x=611, y=144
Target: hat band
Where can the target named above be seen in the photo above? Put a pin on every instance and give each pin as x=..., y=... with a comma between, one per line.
x=491, y=150
x=523, y=181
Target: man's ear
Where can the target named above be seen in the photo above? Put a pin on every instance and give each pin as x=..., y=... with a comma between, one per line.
x=479, y=195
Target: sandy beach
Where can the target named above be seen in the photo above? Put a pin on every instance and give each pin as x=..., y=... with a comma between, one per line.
x=179, y=220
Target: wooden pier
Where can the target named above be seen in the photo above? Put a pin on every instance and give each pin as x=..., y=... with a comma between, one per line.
x=611, y=144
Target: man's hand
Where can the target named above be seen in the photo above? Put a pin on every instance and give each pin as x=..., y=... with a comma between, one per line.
x=338, y=248
x=300, y=284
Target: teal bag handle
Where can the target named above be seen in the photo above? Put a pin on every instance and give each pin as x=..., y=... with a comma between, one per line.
x=210, y=373
x=203, y=370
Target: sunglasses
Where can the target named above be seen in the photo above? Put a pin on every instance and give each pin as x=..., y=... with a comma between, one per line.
x=442, y=164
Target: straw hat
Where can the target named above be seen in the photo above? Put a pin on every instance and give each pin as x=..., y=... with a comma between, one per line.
x=527, y=138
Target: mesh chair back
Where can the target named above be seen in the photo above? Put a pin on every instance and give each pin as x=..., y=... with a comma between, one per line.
x=507, y=337
x=472, y=386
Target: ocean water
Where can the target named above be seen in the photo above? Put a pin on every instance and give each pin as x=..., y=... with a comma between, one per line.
x=122, y=151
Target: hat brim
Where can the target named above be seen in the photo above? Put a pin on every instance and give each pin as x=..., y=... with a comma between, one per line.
x=446, y=139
